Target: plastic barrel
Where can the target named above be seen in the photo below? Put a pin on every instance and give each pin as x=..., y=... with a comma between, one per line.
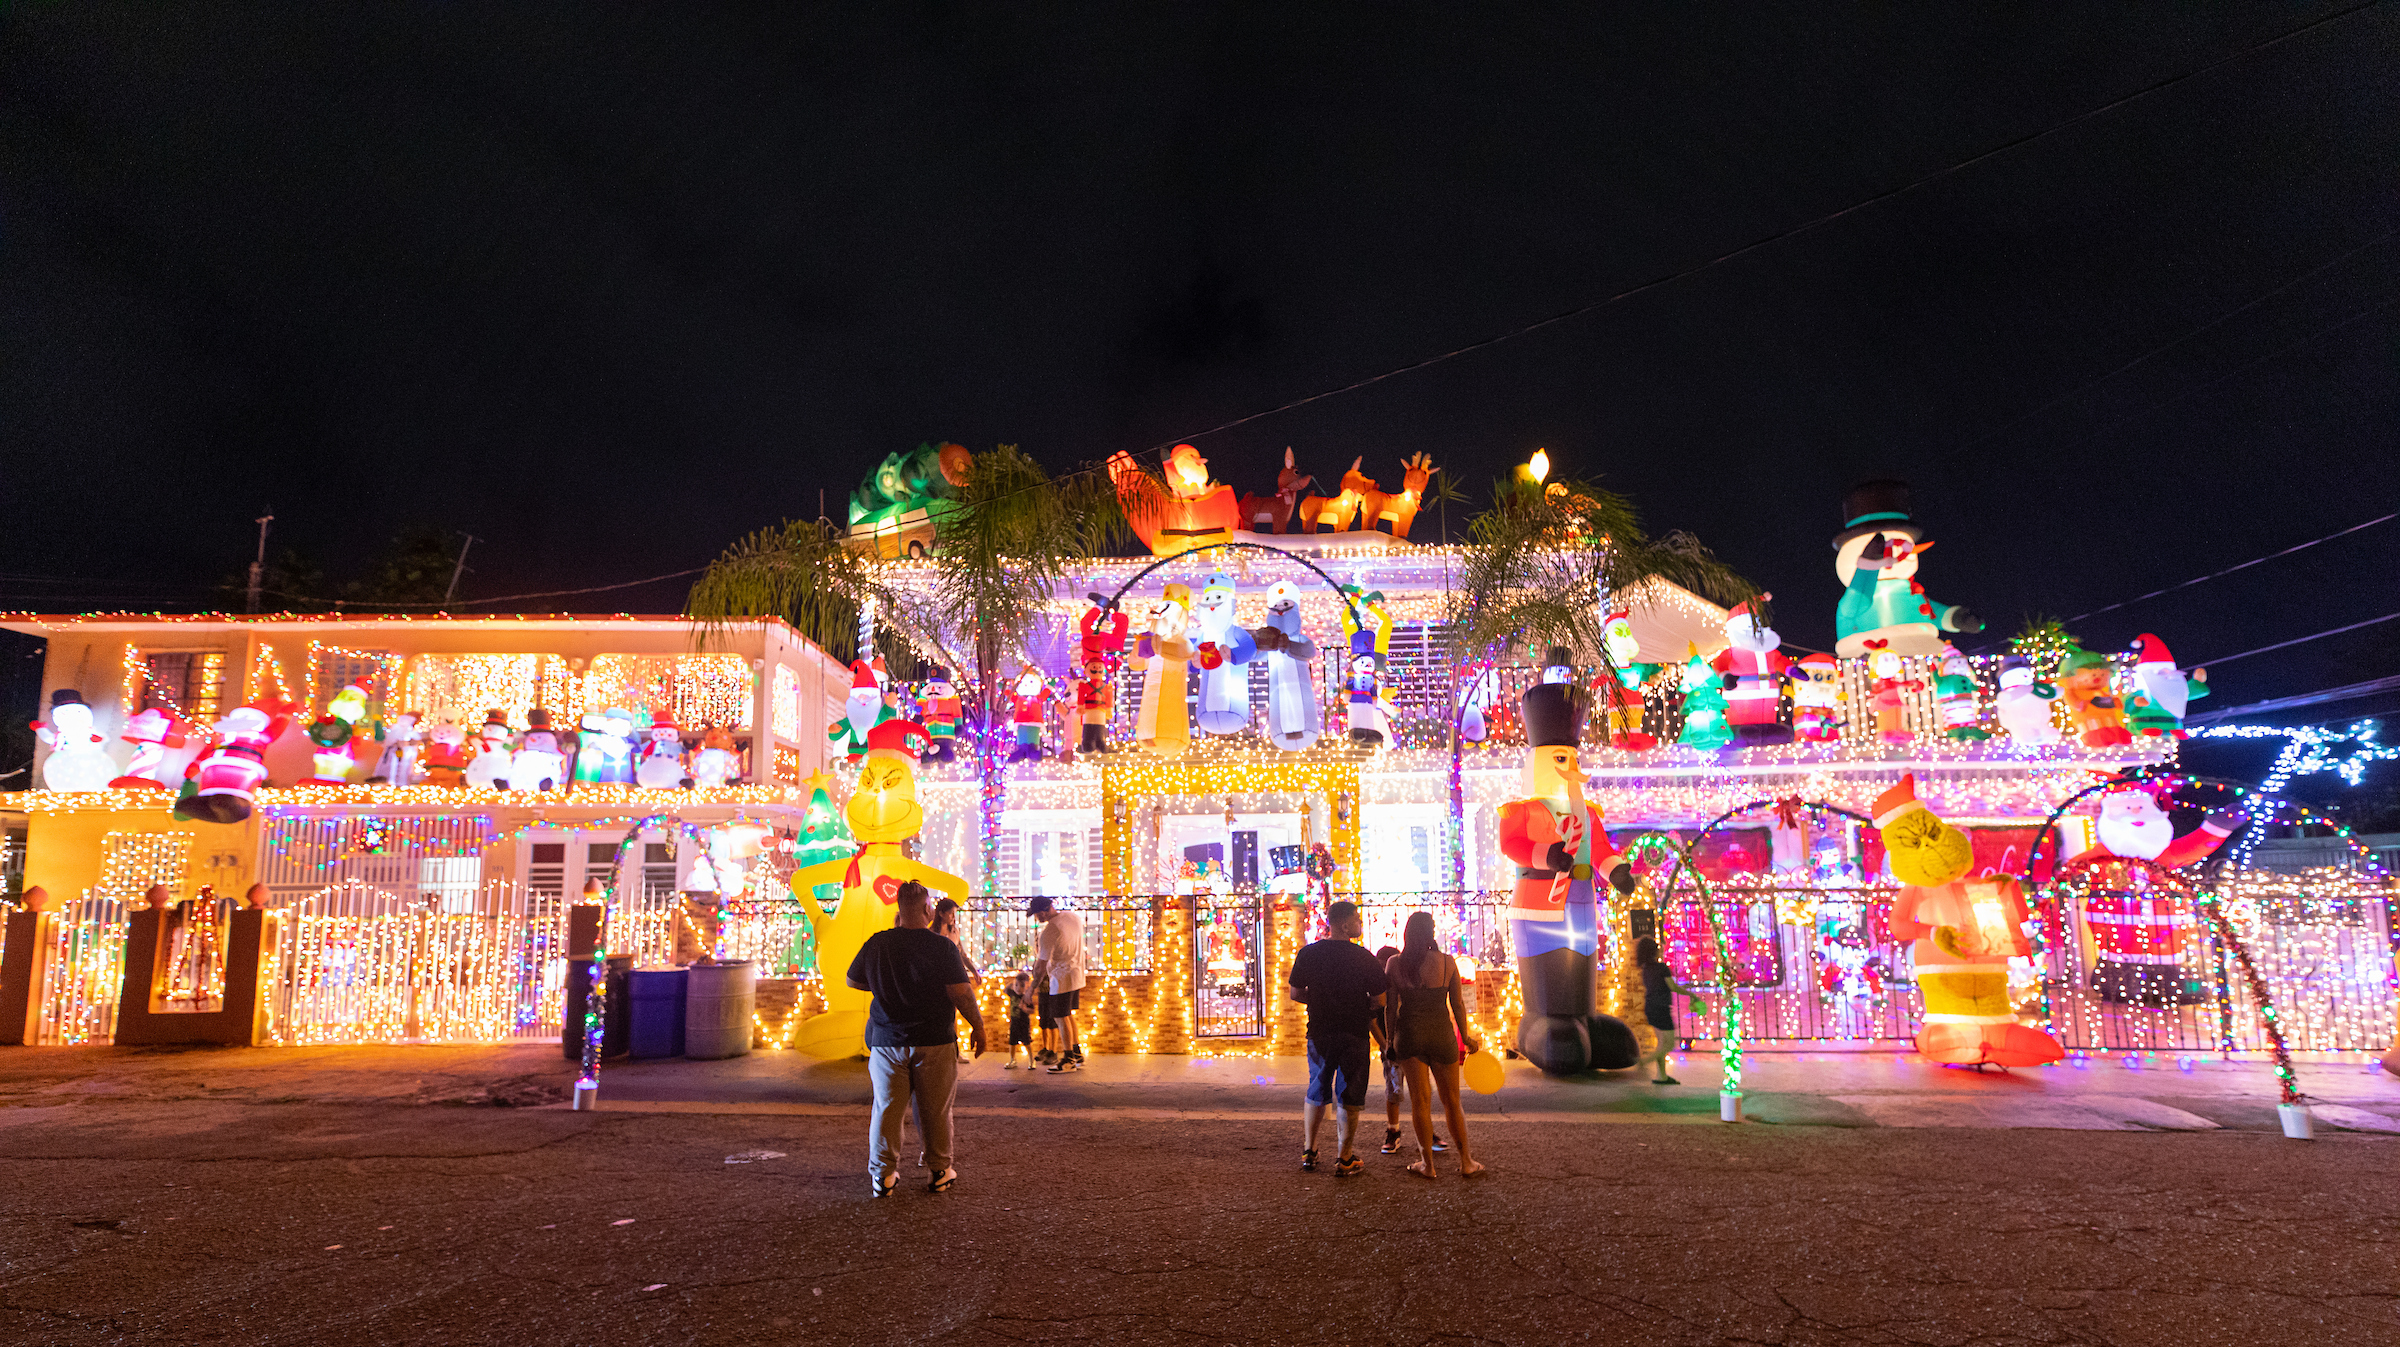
x=658, y=1011
x=617, y=1033
x=717, y=1008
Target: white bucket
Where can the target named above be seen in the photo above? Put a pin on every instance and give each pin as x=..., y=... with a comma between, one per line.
x=587, y=1095
x=1729, y=1106
x=2296, y=1123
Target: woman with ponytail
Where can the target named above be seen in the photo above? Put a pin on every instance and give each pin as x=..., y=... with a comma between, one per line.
x=1426, y=1023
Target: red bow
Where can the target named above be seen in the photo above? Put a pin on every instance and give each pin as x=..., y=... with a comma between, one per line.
x=1787, y=811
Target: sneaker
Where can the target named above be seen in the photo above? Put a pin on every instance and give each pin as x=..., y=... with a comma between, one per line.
x=1012, y=1065
x=1391, y=1141
x=1350, y=1167
x=1439, y=1145
x=1308, y=1161
x=1063, y=1066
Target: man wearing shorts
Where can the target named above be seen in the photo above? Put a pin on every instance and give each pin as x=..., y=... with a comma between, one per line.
x=1058, y=956
x=1342, y=985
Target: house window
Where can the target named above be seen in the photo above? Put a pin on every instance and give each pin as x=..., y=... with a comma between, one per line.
x=188, y=683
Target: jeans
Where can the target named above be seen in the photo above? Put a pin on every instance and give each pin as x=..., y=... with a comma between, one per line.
x=929, y=1075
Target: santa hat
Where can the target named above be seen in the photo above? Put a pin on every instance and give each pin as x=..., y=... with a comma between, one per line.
x=863, y=676
x=1743, y=609
x=1899, y=800
x=902, y=739
x=2152, y=650
x=662, y=717
x=154, y=726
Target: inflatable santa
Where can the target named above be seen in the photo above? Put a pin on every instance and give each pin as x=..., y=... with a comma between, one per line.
x=1752, y=665
x=862, y=710
x=220, y=786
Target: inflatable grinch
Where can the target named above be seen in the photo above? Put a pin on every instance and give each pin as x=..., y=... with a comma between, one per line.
x=883, y=813
x=1560, y=847
x=1966, y=931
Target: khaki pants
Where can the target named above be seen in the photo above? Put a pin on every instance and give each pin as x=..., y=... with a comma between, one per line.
x=929, y=1076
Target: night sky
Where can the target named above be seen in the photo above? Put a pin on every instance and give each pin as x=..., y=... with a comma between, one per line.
x=609, y=285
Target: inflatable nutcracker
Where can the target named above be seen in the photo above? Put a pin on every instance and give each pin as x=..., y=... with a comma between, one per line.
x=1965, y=931
x=219, y=786
x=155, y=735
x=883, y=813
x=1753, y=665
x=1560, y=847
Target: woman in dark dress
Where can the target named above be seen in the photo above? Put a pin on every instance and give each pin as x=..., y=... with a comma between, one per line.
x=1658, y=1005
x=1425, y=1022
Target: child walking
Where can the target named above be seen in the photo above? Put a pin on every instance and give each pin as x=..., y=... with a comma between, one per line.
x=1659, y=988
x=1020, y=1023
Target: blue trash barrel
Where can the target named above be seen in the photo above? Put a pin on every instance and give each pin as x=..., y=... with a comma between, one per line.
x=718, y=1009
x=658, y=999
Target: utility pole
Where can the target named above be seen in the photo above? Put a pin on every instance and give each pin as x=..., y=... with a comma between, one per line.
x=460, y=568
x=258, y=568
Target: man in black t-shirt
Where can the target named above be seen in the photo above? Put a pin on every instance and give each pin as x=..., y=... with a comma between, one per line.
x=919, y=981
x=1342, y=985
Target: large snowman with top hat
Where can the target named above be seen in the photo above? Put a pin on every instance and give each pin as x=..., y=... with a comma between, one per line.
x=1883, y=606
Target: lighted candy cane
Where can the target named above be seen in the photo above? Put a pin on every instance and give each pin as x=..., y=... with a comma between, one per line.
x=1570, y=835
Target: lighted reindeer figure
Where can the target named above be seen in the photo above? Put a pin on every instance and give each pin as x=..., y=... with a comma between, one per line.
x=1401, y=508
x=1273, y=514
x=1333, y=514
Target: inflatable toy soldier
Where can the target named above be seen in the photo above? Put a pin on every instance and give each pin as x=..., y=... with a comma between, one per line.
x=1559, y=845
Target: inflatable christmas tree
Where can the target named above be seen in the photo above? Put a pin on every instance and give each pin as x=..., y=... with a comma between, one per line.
x=1704, y=724
x=823, y=835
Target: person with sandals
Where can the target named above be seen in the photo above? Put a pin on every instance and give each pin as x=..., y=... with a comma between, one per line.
x=1395, y=1080
x=919, y=984
x=1426, y=1021
x=1658, y=1005
x=1342, y=986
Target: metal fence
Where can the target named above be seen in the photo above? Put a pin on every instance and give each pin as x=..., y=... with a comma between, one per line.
x=83, y=973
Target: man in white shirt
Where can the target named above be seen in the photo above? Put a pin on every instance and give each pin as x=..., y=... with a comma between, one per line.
x=1058, y=956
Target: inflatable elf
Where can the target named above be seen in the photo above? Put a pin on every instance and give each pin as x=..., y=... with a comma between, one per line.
x=1621, y=685
x=1557, y=839
x=883, y=813
x=1966, y=931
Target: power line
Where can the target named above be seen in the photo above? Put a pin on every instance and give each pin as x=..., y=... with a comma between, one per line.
x=2348, y=692
x=2285, y=645
x=2164, y=347
x=2231, y=569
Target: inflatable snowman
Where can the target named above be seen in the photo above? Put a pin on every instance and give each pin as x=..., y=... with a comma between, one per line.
x=78, y=754
x=537, y=763
x=2023, y=704
x=1875, y=557
x=662, y=766
x=491, y=768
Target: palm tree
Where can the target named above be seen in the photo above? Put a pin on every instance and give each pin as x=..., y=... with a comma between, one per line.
x=1013, y=536
x=1536, y=569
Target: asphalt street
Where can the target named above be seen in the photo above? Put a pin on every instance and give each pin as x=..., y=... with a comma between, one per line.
x=141, y=1209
